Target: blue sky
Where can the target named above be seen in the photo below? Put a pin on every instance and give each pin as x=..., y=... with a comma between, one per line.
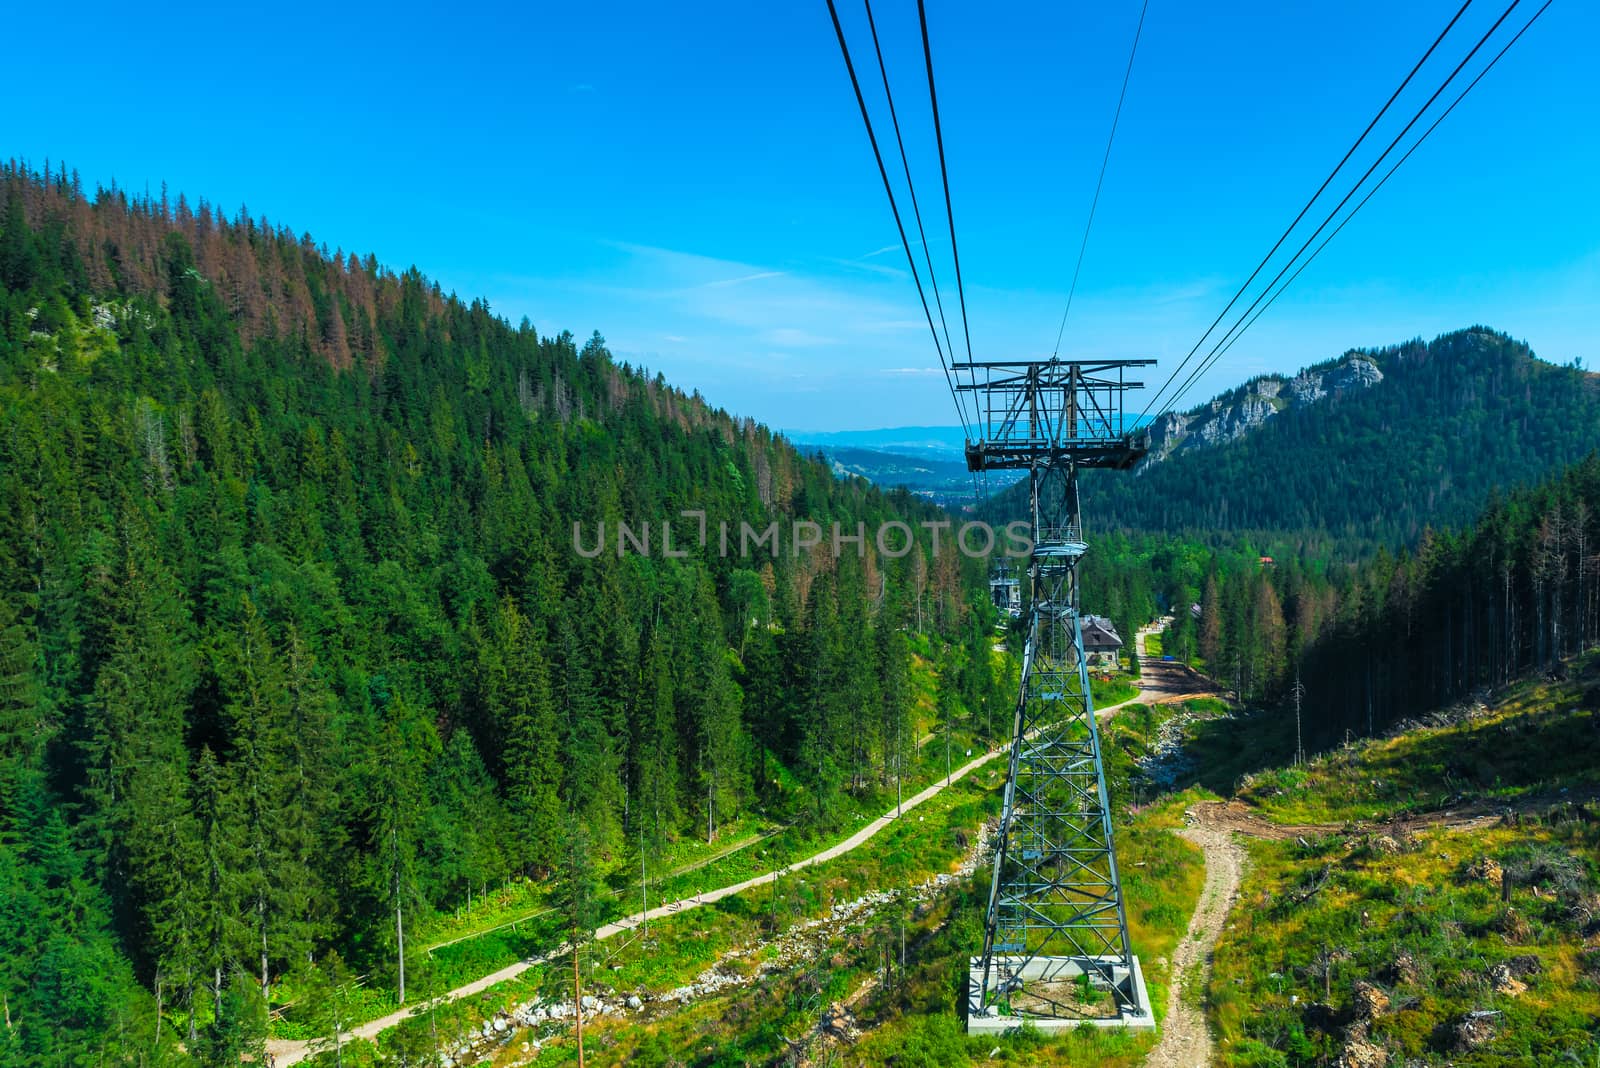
x=693, y=180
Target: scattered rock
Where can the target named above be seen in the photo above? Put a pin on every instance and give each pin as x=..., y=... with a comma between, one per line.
x=1514, y=927
x=1360, y=1053
x=1371, y=1002
x=839, y=1022
x=1485, y=870
x=634, y=1003
x=1405, y=970
x=1503, y=982
x=1384, y=846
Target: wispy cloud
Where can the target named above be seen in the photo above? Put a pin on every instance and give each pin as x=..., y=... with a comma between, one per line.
x=756, y=277
x=871, y=268
x=910, y=371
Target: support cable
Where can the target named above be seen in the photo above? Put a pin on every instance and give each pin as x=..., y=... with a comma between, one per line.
x=1095, y=203
x=905, y=164
x=944, y=175
x=1210, y=358
x=1308, y=205
x=855, y=83
x=1390, y=174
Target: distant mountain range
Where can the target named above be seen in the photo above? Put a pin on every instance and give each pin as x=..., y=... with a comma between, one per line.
x=1373, y=445
x=939, y=441
x=927, y=460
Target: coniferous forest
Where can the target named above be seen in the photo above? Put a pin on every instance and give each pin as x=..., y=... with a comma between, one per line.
x=1452, y=417
x=1393, y=637
x=294, y=643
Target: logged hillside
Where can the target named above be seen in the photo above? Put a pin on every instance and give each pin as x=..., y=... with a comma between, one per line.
x=1373, y=457
x=295, y=646
x=1426, y=897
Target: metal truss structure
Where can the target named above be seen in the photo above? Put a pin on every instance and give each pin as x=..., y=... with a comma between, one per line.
x=1056, y=925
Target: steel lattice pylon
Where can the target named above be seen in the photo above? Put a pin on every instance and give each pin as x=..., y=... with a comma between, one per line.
x=1056, y=931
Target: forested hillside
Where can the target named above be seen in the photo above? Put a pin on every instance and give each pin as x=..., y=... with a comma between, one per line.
x=1401, y=634
x=295, y=646
x=1375, y=463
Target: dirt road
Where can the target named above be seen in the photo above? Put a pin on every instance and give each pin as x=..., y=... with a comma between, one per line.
x=1165, y=681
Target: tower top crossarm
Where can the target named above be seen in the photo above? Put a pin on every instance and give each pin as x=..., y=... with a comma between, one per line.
x=1052, y=411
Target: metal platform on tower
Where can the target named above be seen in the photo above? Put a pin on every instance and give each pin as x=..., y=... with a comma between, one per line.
x=1055, y=950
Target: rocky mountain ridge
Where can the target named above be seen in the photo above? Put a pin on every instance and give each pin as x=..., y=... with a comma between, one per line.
x=1245, y=409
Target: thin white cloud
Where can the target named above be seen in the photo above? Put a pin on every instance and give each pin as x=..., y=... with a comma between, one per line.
x=910, y=371
x=871, y=268
x=756, y=277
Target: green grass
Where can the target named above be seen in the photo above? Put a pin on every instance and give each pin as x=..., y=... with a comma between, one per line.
x=914, y=1020
x=1350, y=905
x=682, y=945
x=1152, y=645
x=483, y=940
x=1373, y=908
x=1113, y=690
x=1536, y=739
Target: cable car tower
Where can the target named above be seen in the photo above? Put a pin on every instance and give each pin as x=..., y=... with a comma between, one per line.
x=1055, y=943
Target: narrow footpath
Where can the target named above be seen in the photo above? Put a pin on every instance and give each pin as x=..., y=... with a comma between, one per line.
x=1185, y=1037
x=285, y=1052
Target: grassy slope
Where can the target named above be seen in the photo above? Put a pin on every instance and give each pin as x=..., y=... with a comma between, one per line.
x=913, y=1021
x=1426, y=895
x=513, y=922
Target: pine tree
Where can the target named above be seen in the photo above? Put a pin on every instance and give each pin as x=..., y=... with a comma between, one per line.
x=261, y=714
x=593, y=780
x=723, y=766
x=576, y=899
x=514, y=688
x=657, y=790
x=894, y=695
x=407, y=743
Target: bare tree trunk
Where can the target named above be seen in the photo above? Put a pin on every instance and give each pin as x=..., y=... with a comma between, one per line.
x=399, y=924
x=400, y=949
x=899, y=762
x=577, y=996
x=266, y=979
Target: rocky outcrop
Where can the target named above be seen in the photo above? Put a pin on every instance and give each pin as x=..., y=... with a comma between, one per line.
x=1244, y=410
